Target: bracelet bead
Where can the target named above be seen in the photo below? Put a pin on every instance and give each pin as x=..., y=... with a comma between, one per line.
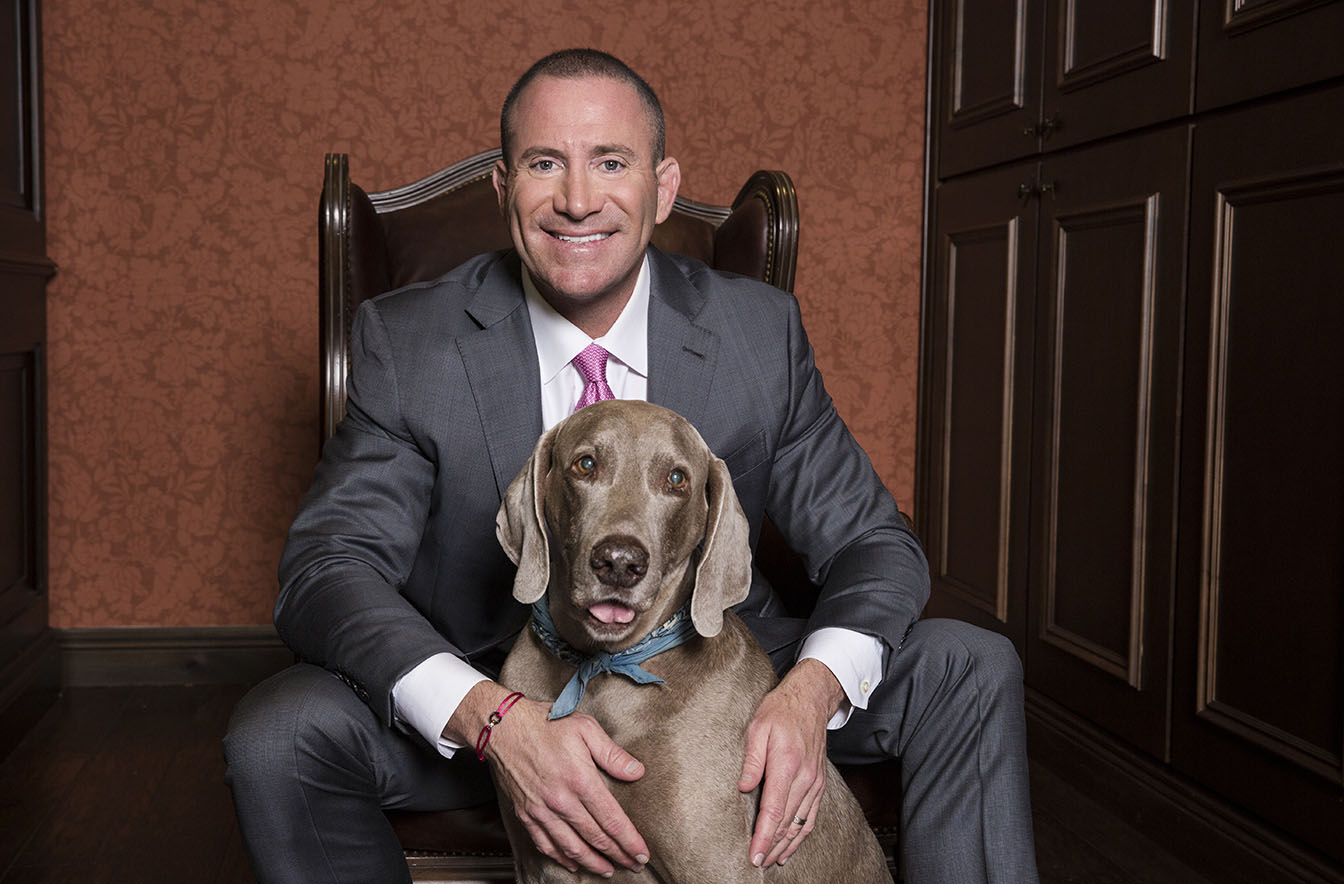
x=495, y=717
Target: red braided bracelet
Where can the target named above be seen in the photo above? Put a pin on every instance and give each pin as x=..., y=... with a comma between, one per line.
x=484, y=739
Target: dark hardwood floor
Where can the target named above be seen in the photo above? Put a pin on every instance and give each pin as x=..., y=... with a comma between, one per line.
x=124, y=784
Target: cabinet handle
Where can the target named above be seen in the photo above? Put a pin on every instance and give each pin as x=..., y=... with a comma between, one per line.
x=1035, y=189
x=1053, y=123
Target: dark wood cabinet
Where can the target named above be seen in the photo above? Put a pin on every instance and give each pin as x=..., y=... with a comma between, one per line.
x=1259, y=710
x=1054, y=317
x=28, y=662
x=1131, y=446
x=1104, y=413
x=1018, y=78
x=976, y=395
x=1252, y=48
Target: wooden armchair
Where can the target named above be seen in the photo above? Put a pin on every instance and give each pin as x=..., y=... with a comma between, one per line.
x=370, y=243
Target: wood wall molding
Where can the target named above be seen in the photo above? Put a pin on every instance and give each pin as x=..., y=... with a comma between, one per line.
x=991, y=599
x=158, y=655
x=1123, y=663
x=1210, y=835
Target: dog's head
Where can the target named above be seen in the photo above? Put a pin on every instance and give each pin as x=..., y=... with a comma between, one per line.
x=610, y=513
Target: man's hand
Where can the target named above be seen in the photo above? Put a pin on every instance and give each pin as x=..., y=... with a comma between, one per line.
x=786, y=744
x=549, y=770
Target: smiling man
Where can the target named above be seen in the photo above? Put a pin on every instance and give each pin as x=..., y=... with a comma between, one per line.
x=583, y=182
x=397, y=598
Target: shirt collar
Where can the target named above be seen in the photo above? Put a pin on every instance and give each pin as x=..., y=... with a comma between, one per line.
x=559, y=340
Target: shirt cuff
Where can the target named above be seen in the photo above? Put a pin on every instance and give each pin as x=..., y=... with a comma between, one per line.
x=855, y=659
x=427, y=696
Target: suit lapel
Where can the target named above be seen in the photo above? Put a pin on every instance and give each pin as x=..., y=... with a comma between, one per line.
x=682, y=354
x=501, y=359
x=501, y=365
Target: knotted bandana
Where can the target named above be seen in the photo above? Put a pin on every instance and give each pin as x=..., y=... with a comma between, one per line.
x=675, y=631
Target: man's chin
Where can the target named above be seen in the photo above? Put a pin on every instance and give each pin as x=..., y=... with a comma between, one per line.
x=579, y=294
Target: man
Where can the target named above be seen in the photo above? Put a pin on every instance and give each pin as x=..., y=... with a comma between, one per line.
x=396, y=595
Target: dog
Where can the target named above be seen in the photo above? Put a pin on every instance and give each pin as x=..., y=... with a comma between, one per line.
x=624, y=521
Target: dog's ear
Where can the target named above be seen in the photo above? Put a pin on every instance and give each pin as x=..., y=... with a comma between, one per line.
x=520, y=524
x=723, y=577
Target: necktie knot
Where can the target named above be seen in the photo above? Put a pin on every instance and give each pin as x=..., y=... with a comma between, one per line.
x=592, y=364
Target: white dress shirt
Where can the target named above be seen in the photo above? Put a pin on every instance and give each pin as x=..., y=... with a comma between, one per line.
x=426, y=697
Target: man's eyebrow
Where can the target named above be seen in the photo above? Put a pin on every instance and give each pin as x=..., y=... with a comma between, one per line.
x=532, y=152
x=622, y=150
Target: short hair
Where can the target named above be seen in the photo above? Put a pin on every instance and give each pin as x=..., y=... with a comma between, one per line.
x=574, y=64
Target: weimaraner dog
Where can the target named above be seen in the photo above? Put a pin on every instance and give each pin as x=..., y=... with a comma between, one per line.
x=621, y=516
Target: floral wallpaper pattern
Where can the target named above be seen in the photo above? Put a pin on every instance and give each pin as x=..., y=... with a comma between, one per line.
x=184, y=146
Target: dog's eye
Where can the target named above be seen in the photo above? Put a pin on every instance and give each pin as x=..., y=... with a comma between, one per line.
x=676, y=479
x=585, y=465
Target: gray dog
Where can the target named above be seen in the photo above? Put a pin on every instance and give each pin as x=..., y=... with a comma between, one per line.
x=626, y=526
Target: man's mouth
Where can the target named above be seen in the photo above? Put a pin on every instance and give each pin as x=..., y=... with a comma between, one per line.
x=592, y=237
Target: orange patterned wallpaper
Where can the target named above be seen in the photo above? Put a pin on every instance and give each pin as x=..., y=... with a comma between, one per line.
x=184, y=159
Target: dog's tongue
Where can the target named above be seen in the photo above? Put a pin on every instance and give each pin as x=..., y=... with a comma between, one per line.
x=610, y=612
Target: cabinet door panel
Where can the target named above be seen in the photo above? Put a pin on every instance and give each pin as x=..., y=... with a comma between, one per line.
x=29, y=670
x=977, y=399
x=1260, y=699
x=1250, y=48
x=1112, y=67
x=1103, y=470
x=988, y=81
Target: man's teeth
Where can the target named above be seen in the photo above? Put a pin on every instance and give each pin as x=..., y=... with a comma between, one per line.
x=593, y=237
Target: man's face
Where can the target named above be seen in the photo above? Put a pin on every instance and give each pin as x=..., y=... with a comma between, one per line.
x=581, y=194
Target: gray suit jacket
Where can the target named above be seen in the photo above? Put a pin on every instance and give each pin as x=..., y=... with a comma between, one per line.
x=392, y=556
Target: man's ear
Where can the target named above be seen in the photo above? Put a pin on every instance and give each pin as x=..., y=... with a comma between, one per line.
x=669, y=180
x=499, y=177
x=520, y=524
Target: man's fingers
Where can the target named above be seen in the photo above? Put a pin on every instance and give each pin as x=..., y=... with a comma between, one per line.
x=792, y=833
x=612, y=832
x=611, y=757
x=781, y=790
x=811, y=816
x=604, y=825
x=753, y=761
x=575, y=838
x=545, y=844
x=557, y=790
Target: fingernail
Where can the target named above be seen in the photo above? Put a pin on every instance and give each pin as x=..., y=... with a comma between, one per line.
x=632, y=766
x=641, y=858
x=782, y=860
x=758, y=859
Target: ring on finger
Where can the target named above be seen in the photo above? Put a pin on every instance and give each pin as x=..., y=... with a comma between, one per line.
x=799, y=820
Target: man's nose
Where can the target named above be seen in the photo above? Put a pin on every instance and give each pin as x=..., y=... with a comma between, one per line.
x=576, y=197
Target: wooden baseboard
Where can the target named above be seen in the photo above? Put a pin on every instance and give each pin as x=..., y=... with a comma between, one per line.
x=136, y=655
x=29, y=682
x=1211, y=836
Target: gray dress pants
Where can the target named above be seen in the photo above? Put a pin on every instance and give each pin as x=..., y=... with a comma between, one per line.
x=312, y=768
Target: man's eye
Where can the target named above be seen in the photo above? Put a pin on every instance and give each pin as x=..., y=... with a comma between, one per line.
x=543, y=166
x=676, y=479
x=585, y=465
x=612, y=165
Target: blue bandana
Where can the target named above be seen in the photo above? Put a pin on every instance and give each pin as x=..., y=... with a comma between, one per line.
x=675, y=631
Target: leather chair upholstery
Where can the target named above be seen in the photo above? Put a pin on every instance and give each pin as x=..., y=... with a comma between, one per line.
x=370, y=243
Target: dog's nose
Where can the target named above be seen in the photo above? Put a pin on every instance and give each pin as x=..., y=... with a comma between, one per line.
x=619, y=561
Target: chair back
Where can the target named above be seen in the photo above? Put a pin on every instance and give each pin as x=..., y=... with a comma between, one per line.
x=371, y=243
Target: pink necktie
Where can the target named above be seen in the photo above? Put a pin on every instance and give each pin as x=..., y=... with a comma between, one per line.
x=592, y=364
